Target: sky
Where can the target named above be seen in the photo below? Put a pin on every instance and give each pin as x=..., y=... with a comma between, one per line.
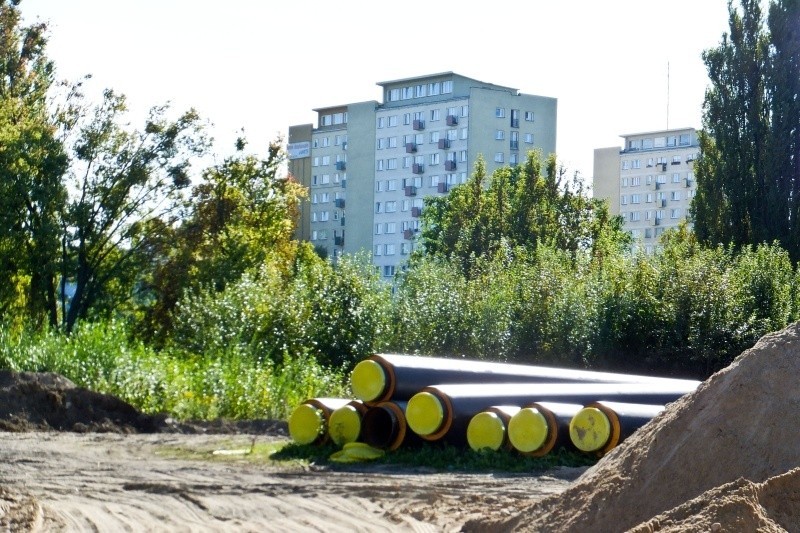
x=616, y=67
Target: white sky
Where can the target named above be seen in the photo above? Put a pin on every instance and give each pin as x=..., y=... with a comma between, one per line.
x=264, y=66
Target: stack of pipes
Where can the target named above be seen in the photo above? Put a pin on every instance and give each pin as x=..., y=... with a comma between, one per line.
x=402, y=400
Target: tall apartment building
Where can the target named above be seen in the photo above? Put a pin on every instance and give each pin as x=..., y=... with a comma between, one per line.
x=650, y=182
x=369, y=165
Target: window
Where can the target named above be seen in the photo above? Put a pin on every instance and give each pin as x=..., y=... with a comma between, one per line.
x=388, y=270
x=434, y=137
x=405, y=248
x=676, y=177
x=635, y=144
x=464, y=133
x=452, y=135
x=419, y=138
x=420, y=160
x=406, y=119
x=647, y=144
x=324, y=216
x=405, y=205
x=391, y=185
x=528, y=116
x=447, y=87
x=381, y=122
x=377, y=249
x=392, y=121
x=434, y=181
x=675, y=195
x=684, y=139
x=391, y=206
x=435, y=158
x=379, y=165
x=325, y=179
x=636, y=181
x=660, y=142
x=389, y=250
x=636, y=198
x=392, y=142
x=529, y=138
x=378, y=207
x=661, y=179
x=672, y=141
x=453, y=111
x=340, y=139
x=314, y=198
x=407, y=161
x=391, y=164
x=325, y=197
x=648, y=215
x=636, y=163
x=462, y=156
x=500, y=112
x=379, y=186
x=499, y=135
x=625, y=165
x=625, y=182
x=315, y=162
x=649, y=198
x=623, y=199
x=650, y=162
x=391, y=227
x=381, y=144
x=434, y=114
x=464, y=110
x=434, y=89
x=636, y=216
x=498, y=157
x=513, y=159
x=406, y=93
x=675, y=213
x=419, y=91
x=394, y=95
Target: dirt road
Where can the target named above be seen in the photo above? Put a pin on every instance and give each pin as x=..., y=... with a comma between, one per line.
x=64, y=481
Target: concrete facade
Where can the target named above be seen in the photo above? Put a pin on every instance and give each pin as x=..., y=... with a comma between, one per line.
x=422, y=140
x=650, y=182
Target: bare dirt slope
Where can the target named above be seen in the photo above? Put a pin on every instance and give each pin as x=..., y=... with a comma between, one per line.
x=108, y=468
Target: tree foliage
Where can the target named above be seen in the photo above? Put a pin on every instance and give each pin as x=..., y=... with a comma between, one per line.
x=748, y=189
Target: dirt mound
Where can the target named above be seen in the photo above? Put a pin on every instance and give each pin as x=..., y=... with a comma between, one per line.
x=740, y=423
x=31, y=401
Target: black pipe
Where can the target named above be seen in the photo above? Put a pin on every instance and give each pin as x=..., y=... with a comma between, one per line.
x=383, y=377
x=384, y=426
x=540, y=427
x=600, y=426
x=445, y=410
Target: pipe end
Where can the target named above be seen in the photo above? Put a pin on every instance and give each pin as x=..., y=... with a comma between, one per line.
x=424, y=414
x=368, y=380
x=590, y=429
x=344, y=425
x=528, y=430
x=306, y=424
x=486, y=430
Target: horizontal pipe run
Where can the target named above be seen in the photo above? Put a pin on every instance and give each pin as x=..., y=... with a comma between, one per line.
x=601, y=426
x=540, y=427
x=445, y=410
x=489, y=428
x=344, y=423
x=308, y=423
x=383, y=377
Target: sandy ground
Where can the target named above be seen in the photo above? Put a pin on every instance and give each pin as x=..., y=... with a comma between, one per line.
x=66, y=481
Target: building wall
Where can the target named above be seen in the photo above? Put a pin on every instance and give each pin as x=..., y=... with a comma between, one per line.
x=422, y=140
x=653, y=183
x=299, y=149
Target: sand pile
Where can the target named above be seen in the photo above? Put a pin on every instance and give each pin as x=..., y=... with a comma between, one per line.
x=741, y=423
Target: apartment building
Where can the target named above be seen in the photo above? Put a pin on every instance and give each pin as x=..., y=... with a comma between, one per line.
x=649, y=182
x=369, y=165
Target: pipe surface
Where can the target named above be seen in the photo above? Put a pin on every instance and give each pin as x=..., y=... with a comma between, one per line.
x=308, y=423
x=600, y=426
x=489, y=428
x=445, y=410
x=540, y=427
x=383, y=377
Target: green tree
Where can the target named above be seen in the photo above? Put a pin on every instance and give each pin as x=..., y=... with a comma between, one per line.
x=747, y=176
x=121, y=181
x=32, y=163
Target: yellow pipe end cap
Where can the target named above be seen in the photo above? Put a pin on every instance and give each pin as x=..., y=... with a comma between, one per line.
x=424, y=413
x=354, y=452
x=528, y=430
x=306, y=424
x=486, y=430
x=368, y=380
x=344, y=425
x=590, y=429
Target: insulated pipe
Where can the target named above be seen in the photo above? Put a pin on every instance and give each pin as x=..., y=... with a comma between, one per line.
x=309, y=421
x=344, y=423
x=383, y=377
x=489, y=428
x=384, y=426
x=600, y=426
x=540, y=427
x=445, y=410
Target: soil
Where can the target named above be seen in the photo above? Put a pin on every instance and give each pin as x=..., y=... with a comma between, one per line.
x=75, y=460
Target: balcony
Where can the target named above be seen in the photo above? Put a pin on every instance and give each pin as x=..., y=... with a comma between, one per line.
x=444, y=144
x=344, y=184
x=658, y=186
x=687, y=182
x=442, y=187
x=411, y=190
x=408, y=234
x=341, y=165
x=416, y=212
x=411, y=148
x=515, y=123
x=338, y=241
x=339, y=202
x=452, y=120
x=514, y=145
x=656, y=221
x=342, y=221
x=663, y=166
x=417, y=168
x=419, y=125
x=663, y=202
x=450, y=165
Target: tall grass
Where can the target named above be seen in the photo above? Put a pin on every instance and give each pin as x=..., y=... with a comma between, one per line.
x=225, y=383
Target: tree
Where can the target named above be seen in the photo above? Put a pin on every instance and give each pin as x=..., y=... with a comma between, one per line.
x=32, y=164
x=747, y=175
x=125, y=187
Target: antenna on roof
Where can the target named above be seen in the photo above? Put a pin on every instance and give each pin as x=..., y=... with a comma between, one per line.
x=667, y=94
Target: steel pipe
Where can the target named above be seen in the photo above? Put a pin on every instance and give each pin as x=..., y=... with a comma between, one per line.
x=384, y=377
x=384, y=426
x=600, y=426
x=308, y=422
x=489, y=428
x=540, y=427
x=445, y=410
